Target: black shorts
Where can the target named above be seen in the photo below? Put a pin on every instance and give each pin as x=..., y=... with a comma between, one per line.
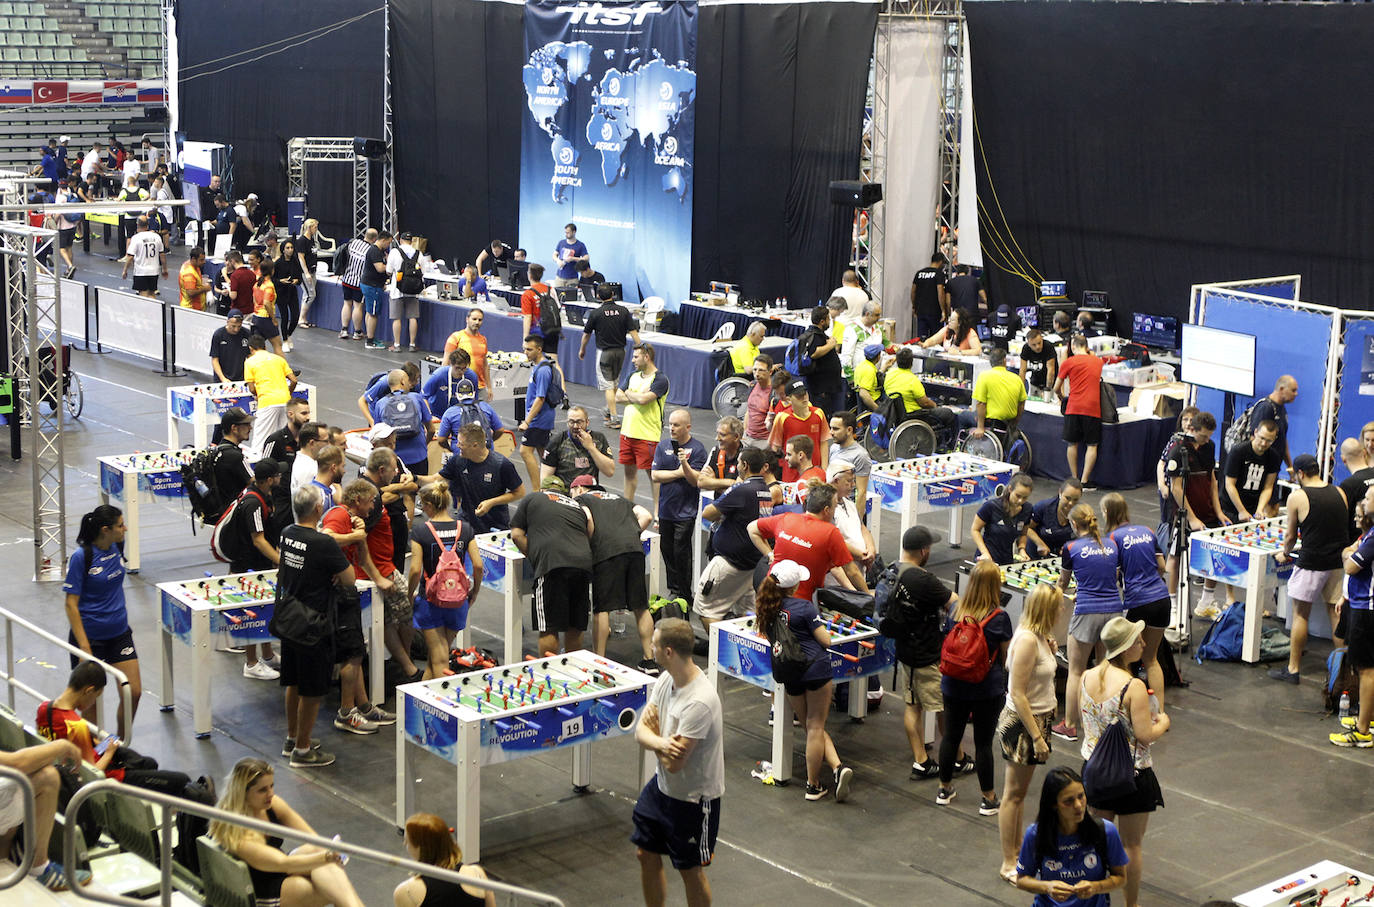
x=683, y=829
x=537, y=438
x=1155, y=614
x=66, y=238
x=1146, y=798
x=1359, y=637
x=562, y=600
x=307, y=668
x=551, y=344
x=110, y=651
x=802, y=687
x=145, y=284
x=1082, y=429
x=348, y=633
x=618, y=584
x=352, y=294
x=264, y=327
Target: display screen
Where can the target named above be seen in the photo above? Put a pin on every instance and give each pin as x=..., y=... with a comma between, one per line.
x=1096, y=299
x=1224, y=360
x=1029, y=314
x=1158, y=331
x=1054, y=288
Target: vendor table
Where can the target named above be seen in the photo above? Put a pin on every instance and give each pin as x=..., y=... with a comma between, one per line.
x=241, y=606
x=702, y=321
x=129, y=480
x=1126, y=457
x=496, y=715
x=202, y=405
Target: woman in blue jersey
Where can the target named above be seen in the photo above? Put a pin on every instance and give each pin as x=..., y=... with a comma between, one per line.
x=95, y=600
x=1144, y=592
x=1001, y=525
x=1069, y=858
x=1050, y=517
x=1090, y=560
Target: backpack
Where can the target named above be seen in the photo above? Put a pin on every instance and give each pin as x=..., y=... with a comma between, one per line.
x=472, y=414
x=550, y=315
x=409, y=280
x=788, y=657
x=401, y=413
x=964, y=654
x=202, y=488
x=555, y=395
x=1110, y=770
x=190, y=826
x=340, y=263
x=223, y=540
x=1238, y=431
x=1340, y=678
x=449, y=585
x=884, y=589
x=797, y=360
x=1223, y=639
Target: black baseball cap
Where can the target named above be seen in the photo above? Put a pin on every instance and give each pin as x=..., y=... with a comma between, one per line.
x=234, y=415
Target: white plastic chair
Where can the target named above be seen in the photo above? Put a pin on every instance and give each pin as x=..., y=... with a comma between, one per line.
x=726, y=332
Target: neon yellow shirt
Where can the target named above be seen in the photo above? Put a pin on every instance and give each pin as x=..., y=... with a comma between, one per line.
x=904, y=381
x=1001, y=391
x=742, y=356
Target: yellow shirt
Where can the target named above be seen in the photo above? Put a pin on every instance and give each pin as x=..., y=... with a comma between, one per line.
x=866, y=378
x=904, y=381
x=644, y=421
x=1001, y=391
x=270, y=376
x=742, y=356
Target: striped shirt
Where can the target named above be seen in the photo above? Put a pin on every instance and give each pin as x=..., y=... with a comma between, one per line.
x=357, y=260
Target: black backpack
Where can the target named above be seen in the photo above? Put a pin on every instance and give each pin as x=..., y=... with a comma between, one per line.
x=1239, y=431
x=410, y=281
x=550, y=316
x=788, y=658
x=340, y=263
x=202, y=488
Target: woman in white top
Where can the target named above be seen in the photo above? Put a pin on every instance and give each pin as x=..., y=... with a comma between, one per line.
x=1024, y=727
x=1110, y=690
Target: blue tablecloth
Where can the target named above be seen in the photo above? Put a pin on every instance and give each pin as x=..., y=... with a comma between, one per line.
x=703, y=321
x=1126, y=457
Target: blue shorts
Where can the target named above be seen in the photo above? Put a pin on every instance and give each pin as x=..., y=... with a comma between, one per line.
x=432, y=617
x=373, y=299
x=683, y=829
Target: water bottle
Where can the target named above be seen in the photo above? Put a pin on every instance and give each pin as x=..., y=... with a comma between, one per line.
x=1345, y=705
x=619, y=622
x=201, y=488
x=1154, y=703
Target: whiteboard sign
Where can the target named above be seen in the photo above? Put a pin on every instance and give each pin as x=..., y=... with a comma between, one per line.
x=1224, y=360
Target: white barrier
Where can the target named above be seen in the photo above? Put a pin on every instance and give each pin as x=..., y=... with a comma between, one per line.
x=73, y=306
x=191, y=335
x=129, y=323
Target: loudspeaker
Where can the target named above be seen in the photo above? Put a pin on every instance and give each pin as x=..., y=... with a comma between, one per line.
x=855, y=193
x=372, y=149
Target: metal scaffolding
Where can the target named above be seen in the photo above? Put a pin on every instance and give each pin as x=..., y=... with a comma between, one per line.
x=302, y=151
x=33, y=334
x=388, y=174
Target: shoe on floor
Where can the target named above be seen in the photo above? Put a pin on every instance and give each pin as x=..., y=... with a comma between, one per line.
x=1064, y=732
x=54, y=877
x=259, y=670
x=815, y=793
x=392, y=349
x=1284, y=674
x=343, y=335
x=943, y=796
x=289, y=746
x=1349, y=721
x=965, y=766
x=353, y=723
x=274, y=662
x=1207, y=610
x=844, y=776
x=315, y=758
x=378, y=716
x=1353, y=738
x=921, y=771
x=988, y=807
x=286, y=346
x=412, y=348
x=232, y=650
x=650, y=667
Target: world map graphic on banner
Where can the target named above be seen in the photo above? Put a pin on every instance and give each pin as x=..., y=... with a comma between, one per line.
x=643, y=99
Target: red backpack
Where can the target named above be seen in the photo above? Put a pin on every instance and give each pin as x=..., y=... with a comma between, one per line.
x=964, y=653
x=450, y=584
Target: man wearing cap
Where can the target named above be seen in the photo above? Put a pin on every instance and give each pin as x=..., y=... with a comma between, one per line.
x=230, y=467
x=229, y=348
x=579, y=451
x=802, y=420
x=848, y=518
x=466, y=409
x=727, y=582
x=404, y=305
x=678, y=462
x=812, y=540
x=866, y=377
x=272, y=382
x=249, y=548
x=844, y=447
x=1317, y=515
x=618, y=582
x=554, y=533
x=484, y=483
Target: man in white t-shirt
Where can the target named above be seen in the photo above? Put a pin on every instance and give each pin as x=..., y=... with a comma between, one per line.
x=403, y=304
x=149, y=258
x=854, y=295
x=678, y=812
x=91, y=163
x=848, y=518
x=313, y=436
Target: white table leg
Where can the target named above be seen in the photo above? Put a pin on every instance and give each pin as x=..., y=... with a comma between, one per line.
x=782, y=736
x=131, y=546
x=514, y=627
x=1254, y=610
x=167, y=695
x=405, y=771
x=581, y=767
x=469, y=774
x=200, y=673
x=376, y=647
x=858, y=698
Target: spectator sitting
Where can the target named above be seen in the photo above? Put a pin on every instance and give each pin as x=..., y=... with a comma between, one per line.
x=428, y=840
x=37, y=762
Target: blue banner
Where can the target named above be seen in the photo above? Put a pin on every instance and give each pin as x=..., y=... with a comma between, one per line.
x=607, y=142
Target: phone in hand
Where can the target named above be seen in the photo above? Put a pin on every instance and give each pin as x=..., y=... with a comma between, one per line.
x=103, y=745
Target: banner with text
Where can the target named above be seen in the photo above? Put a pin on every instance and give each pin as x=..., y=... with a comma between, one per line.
x=606, y=142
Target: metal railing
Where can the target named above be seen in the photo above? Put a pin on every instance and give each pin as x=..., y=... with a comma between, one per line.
x=30, y=820
x=13, y=683
x=171, y=805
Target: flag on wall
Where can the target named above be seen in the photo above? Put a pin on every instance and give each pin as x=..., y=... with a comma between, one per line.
x=120, y=93
x=50, y=92
x=16, y=93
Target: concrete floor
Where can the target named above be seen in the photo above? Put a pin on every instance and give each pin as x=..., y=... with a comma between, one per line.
x=1252, y=786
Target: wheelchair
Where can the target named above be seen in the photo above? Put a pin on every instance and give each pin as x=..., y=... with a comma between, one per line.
x=731, y=397
x=913, y=438
x=1001, y=441
x=69, y=393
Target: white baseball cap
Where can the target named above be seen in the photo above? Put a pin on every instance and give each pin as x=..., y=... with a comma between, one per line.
x=788, y=574
x=380, y=431
x=253, y=196
x=65, y=139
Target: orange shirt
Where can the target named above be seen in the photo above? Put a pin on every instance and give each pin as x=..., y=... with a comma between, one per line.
x=264, y=299
x=789, y=425
x=188, y=279
x=476, y=346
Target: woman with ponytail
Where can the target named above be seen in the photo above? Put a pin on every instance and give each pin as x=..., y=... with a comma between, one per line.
x=1091, y=562
x=1145, y=594
x=810, y=685
x=95, y=601
x=440, y=625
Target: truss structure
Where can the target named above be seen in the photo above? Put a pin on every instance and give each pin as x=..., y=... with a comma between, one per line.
x=388, y=173
x=33, y=333
x=302, y=151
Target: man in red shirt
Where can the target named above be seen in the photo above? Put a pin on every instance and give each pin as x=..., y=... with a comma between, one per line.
x=239, y=279
x=804, y=420
x=811, y=539
x=799, y=453
x=1083, y=414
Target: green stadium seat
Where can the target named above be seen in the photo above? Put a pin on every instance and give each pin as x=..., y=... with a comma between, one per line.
x=45, y=55
x=6, y=9
x=28, y=55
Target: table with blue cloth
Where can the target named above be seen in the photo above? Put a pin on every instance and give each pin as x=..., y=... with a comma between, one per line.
x=1126, y=457
x=695, y=320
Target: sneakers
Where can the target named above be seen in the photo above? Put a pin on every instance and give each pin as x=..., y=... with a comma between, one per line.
x=965, y=766
x=1207, y=609
x=289, y=746
x=71, y=269
x=393, y=349
x=259, y=670
x=988, y=807
x=286, y=346
x=274, y=662
x=352, y=723
x=374, y=345
x=921, y=771
x=1285, y=675
x=412, y=348
x=815, y=793
x=1349, y=721
x=944, y=796
x=1064, y=732
x=378, y=715
x=650, y=667
x=314, y=758
x=844, y=776
x=1353, y=738
x=343, y=335
x=54, y=877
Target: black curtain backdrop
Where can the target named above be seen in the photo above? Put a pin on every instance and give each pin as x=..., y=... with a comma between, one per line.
x=780, y=95
x=1140, y=148
x=330, y=86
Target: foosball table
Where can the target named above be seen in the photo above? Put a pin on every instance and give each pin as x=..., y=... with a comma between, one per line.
x=128, y=480
x=1324, y=884
x=202, y=405
x=857, y=651
x=495, y=715
x=239, y=607
x=1018, y=581
x=949, y=482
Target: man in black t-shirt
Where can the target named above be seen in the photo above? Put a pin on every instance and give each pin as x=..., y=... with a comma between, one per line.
x=554, y=533
x=1275, y=408
x=1192, y=472
x=495, y=254
x=1251, y=470
x=965, y=291
x=587, y=276
x=611, y=322
x=618, y=564
x=929, y=297
x=229, y=348
x=1356, y=460
x=1039, y=362
x=230, y=468
x=311, y=566
x=252, y=548
x=825, y=384
x=918, y=605
x=283, y=444
x=727, y=584
x=373, y=285
x=483, y=482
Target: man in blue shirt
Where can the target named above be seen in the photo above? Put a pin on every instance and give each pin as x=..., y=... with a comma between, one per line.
x=678, y=462
x=442, y=382
x=538, y=422
x=408, y=413
x=727, y=582
x=467, y=410
x=380, y=387
x=483, y=482
x=569, y=252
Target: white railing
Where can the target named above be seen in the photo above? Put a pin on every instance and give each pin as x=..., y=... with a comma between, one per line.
x=171, y=805
x=30, y=818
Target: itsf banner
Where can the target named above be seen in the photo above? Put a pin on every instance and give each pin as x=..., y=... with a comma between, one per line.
x=606, y=141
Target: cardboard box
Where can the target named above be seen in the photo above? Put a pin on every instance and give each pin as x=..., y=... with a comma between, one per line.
x=1161, y=400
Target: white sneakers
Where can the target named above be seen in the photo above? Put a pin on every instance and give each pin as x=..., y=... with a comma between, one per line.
x=260, y=670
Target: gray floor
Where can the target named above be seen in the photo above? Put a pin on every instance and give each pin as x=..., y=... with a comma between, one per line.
x=1253, y=788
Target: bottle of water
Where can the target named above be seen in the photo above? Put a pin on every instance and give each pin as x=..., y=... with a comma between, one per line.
x=1345, y=704
x=1154, y=703
x=201, y=487
x=619, y=622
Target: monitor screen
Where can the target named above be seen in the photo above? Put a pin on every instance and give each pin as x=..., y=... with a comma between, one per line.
x=1054, y=288
x=1029, y=314
x=1224, y=360
x=984, y=332
x=503, y=272
x=1096, y=299
x=1158, y=331
x=519, y=273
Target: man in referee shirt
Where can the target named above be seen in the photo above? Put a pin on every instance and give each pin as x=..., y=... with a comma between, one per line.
x=351, y=315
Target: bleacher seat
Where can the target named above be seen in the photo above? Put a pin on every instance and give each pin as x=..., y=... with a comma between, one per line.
x=226, y=878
